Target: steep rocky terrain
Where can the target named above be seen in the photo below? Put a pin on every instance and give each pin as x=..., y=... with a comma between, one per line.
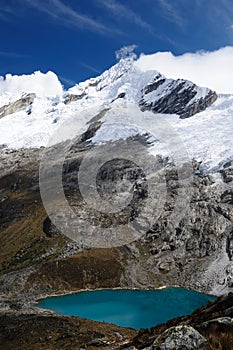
x=175, y=96
x=174, y=229
x=197, y=246
x=208, y=328
x=37, y=260
x=23, y=103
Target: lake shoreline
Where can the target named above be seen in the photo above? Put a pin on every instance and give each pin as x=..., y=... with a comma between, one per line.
x=119, y=305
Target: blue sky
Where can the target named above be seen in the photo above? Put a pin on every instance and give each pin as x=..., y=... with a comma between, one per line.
x=78, y=39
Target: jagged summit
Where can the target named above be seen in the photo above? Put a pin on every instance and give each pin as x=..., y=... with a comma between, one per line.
x=179, y=96
x=150, y=90
x=175, y=225
x=33, y=123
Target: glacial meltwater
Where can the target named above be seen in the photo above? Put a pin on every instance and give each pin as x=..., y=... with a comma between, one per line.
x=128, y=308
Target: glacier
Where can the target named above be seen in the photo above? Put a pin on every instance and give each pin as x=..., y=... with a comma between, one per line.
x=207, y=135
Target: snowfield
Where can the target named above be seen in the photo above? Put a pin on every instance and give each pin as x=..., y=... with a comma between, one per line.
x=207, y=136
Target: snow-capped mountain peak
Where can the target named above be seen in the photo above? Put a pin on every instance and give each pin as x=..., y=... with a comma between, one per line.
x=32, y=124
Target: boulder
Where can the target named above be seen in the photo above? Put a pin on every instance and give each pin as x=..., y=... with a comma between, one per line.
x=180, y=337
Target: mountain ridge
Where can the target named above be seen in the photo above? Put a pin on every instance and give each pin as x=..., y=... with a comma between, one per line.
x=121, y=85
x=45, y=249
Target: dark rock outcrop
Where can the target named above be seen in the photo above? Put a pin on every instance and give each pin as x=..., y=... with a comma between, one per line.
x=229, y=247
x=180, y=97
x=23, y=103
x=72, y=98
x=120, y=95
x=49, y=228
x=227, y=172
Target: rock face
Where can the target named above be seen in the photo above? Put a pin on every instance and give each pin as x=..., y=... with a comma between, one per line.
x=72, y=98
x=229, y=246
x=229, y=272
x=180, y=338
x=189, y=243
x=23, y=103
x=227, y=172
x=175, y=97
x=194, y=252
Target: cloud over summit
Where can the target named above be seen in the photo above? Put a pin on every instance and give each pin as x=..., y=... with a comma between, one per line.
x=211, y=69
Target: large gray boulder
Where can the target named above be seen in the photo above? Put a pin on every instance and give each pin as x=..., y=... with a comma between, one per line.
x=180, y=338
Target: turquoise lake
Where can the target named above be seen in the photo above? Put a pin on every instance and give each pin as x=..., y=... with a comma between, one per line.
x=128, y=308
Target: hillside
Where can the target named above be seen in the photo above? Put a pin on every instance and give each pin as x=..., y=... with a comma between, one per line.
x=124, y=180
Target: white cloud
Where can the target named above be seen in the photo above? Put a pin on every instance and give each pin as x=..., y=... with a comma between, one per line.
x=42, y=84
x=208, y=69
x=126, y=51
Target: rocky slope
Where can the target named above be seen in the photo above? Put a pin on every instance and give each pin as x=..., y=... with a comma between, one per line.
x=175, y=181
x=194, y=252
x=175, y=97
x=48, y=331
x=208, y=328
x=24, y=103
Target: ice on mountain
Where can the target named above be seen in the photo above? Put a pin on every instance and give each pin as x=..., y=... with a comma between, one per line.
x=206, y=136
